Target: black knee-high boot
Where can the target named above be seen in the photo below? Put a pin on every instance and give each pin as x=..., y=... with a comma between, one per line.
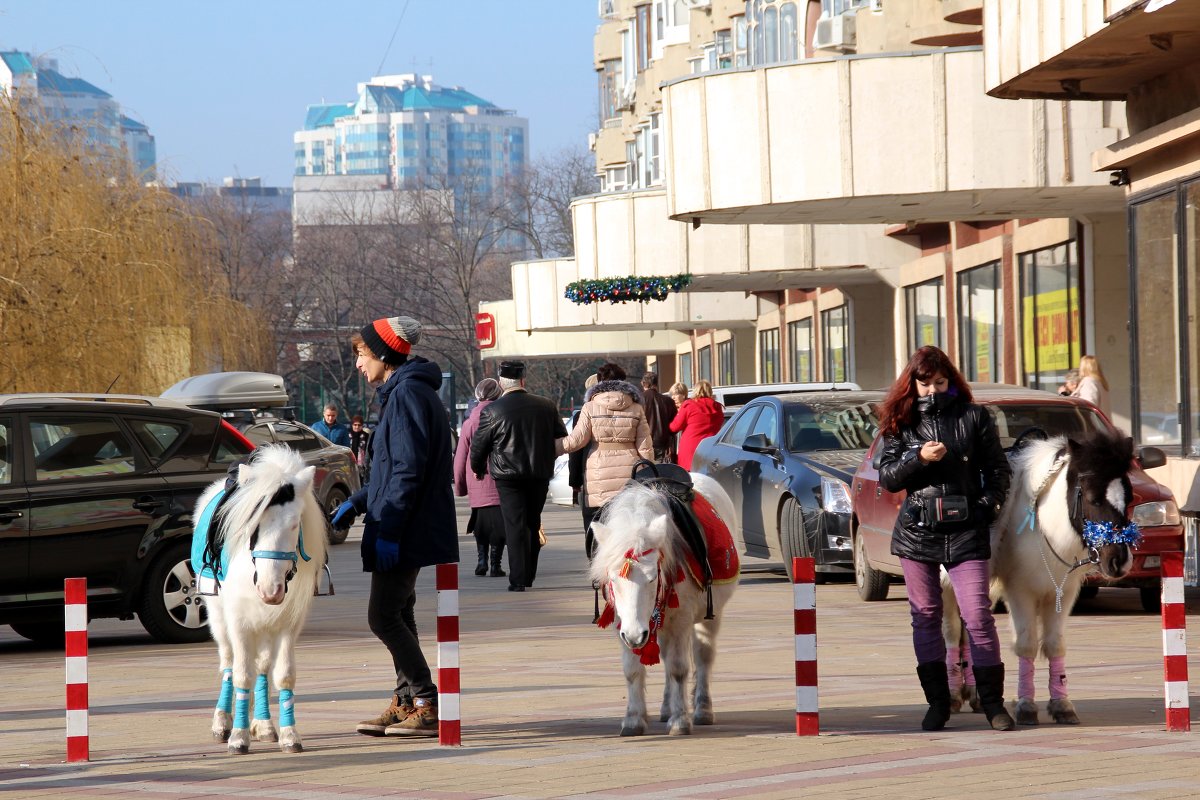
x=481, y=547
x=936, y=684
x=989, y=682
x=497, y=556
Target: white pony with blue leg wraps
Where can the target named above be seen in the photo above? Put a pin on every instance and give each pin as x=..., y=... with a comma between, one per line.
x=265, y=546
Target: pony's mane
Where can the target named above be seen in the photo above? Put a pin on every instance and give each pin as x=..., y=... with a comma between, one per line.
x=272, y=469
x=1104, y=454
x=627, y=518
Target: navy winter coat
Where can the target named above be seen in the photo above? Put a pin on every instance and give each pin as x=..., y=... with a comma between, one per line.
x=409, y=498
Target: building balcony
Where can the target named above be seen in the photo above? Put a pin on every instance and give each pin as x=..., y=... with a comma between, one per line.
x=877, y=139
x=1095, y=50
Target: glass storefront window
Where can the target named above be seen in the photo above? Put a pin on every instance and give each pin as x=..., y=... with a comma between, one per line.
x=800, y=346
x=725, y=365
x=768, y=356
x=704, y=364
x=685, y=369
x=923, y=305
x=835, y=337
x=980, y=333
x=1050, y=321
x=1157, y=352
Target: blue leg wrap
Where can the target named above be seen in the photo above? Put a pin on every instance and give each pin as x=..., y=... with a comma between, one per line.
x=287, y=708
x=225, y=698
x=262, y=698
x=241, y=713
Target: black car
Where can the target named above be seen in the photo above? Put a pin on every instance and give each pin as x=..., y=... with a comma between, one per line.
x=786, y=462
x=337, y=474
x=103, y=487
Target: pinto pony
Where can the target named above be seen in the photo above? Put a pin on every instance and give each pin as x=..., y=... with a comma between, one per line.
x=1064, y=517
x=657, y=600
x=265, y=540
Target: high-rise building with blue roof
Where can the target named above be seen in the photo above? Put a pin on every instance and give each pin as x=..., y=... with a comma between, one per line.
x=74, y=102
x=413, y=133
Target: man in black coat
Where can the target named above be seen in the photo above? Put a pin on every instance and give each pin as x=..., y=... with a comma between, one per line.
x=660, y=410
x=515, y=445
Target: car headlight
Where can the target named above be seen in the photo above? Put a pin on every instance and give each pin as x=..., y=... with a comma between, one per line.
x=1161, y=512
x=835, y=496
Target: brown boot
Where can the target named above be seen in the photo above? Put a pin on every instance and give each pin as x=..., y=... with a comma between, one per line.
x=423, y=721
x=396, y=712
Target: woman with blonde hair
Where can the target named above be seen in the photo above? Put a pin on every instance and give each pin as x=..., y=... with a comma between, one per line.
x=1093, y=386
x=697, y=418
x=678, y=393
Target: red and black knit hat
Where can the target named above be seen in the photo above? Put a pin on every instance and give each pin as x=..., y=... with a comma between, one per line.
x=392, y=339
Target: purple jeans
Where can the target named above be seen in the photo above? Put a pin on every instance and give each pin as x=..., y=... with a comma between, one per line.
x=970, y=582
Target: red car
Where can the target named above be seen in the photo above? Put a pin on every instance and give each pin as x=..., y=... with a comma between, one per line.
x=1017, y=410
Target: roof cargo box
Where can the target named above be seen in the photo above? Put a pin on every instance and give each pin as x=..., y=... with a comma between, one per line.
x=220, y=391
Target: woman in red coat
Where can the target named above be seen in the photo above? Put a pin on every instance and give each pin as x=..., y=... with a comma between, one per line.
x=698, y=418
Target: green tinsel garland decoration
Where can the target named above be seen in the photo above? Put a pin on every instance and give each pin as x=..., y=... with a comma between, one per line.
x=625, y=290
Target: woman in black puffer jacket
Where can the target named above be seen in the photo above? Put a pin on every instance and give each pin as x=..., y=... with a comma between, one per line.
x=944, y=451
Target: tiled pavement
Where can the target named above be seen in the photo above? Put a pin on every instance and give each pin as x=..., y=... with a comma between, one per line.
x=543, y=697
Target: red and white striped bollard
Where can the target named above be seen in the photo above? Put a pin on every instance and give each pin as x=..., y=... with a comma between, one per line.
x=449, y=687
x=805, y=618
x=1174, y=625
x=75, y=625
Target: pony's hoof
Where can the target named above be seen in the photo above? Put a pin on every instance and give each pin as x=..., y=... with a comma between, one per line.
x=955, y=705
x=664, y=716
x=239, y=749
x=1063, y=712
x=970, y=694
x=704, y=718
x=633, y=728
x=221, y=736
x=680, y=728
x=292, y=747
x=1027, y=713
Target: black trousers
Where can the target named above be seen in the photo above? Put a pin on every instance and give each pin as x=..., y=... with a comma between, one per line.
x=589, y=541
x=521, y=503
x=391, y=618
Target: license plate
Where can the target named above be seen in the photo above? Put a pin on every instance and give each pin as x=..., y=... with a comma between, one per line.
x=1152, y=562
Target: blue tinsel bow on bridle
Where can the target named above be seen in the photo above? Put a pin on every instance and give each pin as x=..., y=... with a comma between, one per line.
x=1098, y=534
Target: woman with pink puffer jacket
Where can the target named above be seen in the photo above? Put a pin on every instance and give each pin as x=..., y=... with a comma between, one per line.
x=612, y=425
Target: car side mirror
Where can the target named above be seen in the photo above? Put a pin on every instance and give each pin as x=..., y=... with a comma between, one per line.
x=877, y=458
x=1151, y=457
x=757, y=443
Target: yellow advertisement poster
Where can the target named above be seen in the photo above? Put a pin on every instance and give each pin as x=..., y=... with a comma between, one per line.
x=983, y=350
x=1050, y=330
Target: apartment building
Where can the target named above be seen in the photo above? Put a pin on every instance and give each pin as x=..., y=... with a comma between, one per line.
x=79, y=105
x=841, y=190
x=1145, y=53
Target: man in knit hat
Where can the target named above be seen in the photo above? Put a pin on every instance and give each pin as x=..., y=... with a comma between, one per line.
x=515, y=445
x=409, y=506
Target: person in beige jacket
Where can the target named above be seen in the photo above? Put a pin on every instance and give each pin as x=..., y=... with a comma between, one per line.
x=612, y=425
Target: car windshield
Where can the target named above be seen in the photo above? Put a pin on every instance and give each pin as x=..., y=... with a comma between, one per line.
x=1014, y=419
x=829, y=425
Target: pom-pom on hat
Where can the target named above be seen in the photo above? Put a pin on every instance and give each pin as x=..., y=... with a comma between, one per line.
x=512, y=369
x=392, y=339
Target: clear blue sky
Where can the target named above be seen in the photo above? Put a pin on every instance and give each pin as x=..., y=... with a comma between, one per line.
x=223, y=84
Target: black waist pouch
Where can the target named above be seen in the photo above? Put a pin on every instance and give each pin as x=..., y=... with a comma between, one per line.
x=946, y=513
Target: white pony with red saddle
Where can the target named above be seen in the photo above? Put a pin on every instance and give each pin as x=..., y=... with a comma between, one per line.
x=657, y=592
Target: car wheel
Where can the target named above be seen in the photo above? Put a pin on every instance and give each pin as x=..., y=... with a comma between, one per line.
x=50, y=634
x=872, y=584
x=1151, y=599
x=1088, y=592
x=792, y=539
x=332, y=500
x=172, y=610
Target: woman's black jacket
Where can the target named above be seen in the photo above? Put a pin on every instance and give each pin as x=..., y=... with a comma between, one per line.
x=974, y=466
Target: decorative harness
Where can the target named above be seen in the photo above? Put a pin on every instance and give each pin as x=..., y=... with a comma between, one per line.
x=1094, y=534
x=215, y=562
x=665, y=597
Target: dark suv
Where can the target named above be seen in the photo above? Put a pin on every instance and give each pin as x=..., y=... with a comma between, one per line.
x=102, y=487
